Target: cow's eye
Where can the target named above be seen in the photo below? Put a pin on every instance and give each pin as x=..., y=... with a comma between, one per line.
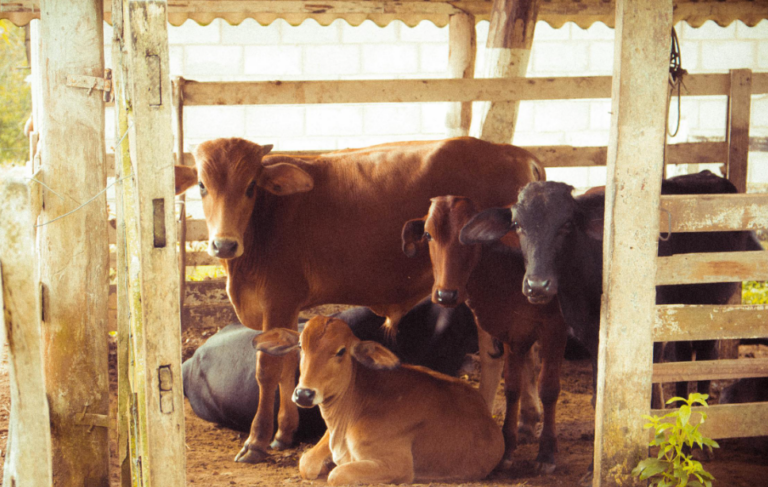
x=427, y=237
x=249, y=190
x=341, y=352
x=515, y=226
x=203, y=191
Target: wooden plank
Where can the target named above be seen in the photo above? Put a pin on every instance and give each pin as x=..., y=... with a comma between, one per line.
x=714, y=213
x=178, y=96
x=507, y=52
x=677, y=322
x=462, y=48
x=28, y=459
x=394, y=91
x=729, y=420
x=712, y=267
x=433, y=90
x=635, y=161
x=152, y=240
x=739, y=103
x=710, y=369
x=75, y=310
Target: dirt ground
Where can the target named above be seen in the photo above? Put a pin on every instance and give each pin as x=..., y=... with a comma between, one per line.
x=211, y=448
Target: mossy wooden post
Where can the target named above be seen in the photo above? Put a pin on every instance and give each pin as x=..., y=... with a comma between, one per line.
x=74, y=250
x=157, y=403
x=462, y=50
x=28, y=457
x=125, y=403
x=507, y=53
x=635, y=160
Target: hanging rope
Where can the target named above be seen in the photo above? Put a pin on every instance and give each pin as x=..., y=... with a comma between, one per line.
x=676, y=73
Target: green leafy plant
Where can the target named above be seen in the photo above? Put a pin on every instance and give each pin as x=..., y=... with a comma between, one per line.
x=674, y=466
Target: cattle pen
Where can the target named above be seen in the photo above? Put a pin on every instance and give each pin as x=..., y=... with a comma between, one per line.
x=54, y=326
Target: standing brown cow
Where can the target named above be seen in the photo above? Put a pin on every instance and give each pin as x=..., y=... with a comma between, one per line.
x=296, y=232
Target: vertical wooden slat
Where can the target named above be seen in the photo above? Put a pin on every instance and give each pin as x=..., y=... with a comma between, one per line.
x=635, y=159
x=151, y=239
x=28, y=459
x=462, y=49
x=507, y=52
x=737, y=136
x=74, y=251
x=128, y=474
x=178, y=98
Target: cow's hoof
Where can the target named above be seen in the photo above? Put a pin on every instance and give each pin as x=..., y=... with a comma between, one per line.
x=279, y=445
x=247, y=455
x=545, y=468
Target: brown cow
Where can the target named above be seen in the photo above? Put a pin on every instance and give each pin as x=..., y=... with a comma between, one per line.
x=387, y=423
x=488, y=280
x=296, y=232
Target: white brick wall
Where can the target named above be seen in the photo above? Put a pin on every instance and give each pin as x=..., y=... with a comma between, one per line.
x=250, y=52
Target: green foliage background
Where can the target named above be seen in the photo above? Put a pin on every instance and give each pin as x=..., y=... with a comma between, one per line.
x=15, y=94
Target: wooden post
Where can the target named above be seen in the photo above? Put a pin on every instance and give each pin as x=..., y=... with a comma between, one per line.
x=739, y=104
x=462, y=49
x=74, y=250
x=157, y=427
x=125, y=398
x=28, y=456
x=508, y=50
x=635, y=160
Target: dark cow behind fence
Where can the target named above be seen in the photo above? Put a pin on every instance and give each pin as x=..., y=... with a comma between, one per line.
x=219, y=379
x=561, y=241
x=387, y=422
x=488, y=279
x=296, y=232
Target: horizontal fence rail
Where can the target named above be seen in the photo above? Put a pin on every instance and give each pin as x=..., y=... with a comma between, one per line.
x=678, y=322
x=710, y=370
x=433, y=90
x=712, y=267
x=714, y=213
x=729, y=420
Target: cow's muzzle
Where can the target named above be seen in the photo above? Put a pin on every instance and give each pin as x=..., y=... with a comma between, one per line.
x=539, y=290
x=304, y=398
x=225, y=248
x=445, y=297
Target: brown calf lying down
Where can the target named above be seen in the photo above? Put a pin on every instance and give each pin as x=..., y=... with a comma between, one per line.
x=387, y=423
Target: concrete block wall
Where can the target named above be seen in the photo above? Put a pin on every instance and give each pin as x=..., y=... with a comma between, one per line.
x=279, y=51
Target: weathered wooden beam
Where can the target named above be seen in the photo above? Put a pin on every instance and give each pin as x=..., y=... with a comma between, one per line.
x=710, y=369
x=432, y=90
x=462, y=48
x=677, y=322
x=75, y=310
x=508, y=50
x=712, y=267
x=714, y=213
x=28, y=459
x=157, y=446
x=178, y=100
x=737, y=131
x=729, y=420
x=635, y=160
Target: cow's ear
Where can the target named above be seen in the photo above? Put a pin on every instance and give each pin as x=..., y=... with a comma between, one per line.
x=186, y=177
x=283, y=178
x=593, y=227
x=276, y=342
x=266, y=149
x=487, y=226
x=412, y=235
x=374, y=355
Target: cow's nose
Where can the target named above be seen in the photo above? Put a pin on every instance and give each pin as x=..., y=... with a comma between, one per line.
x=539, y=289
x=224, y=248
x=447, y=297
x=304, y=398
